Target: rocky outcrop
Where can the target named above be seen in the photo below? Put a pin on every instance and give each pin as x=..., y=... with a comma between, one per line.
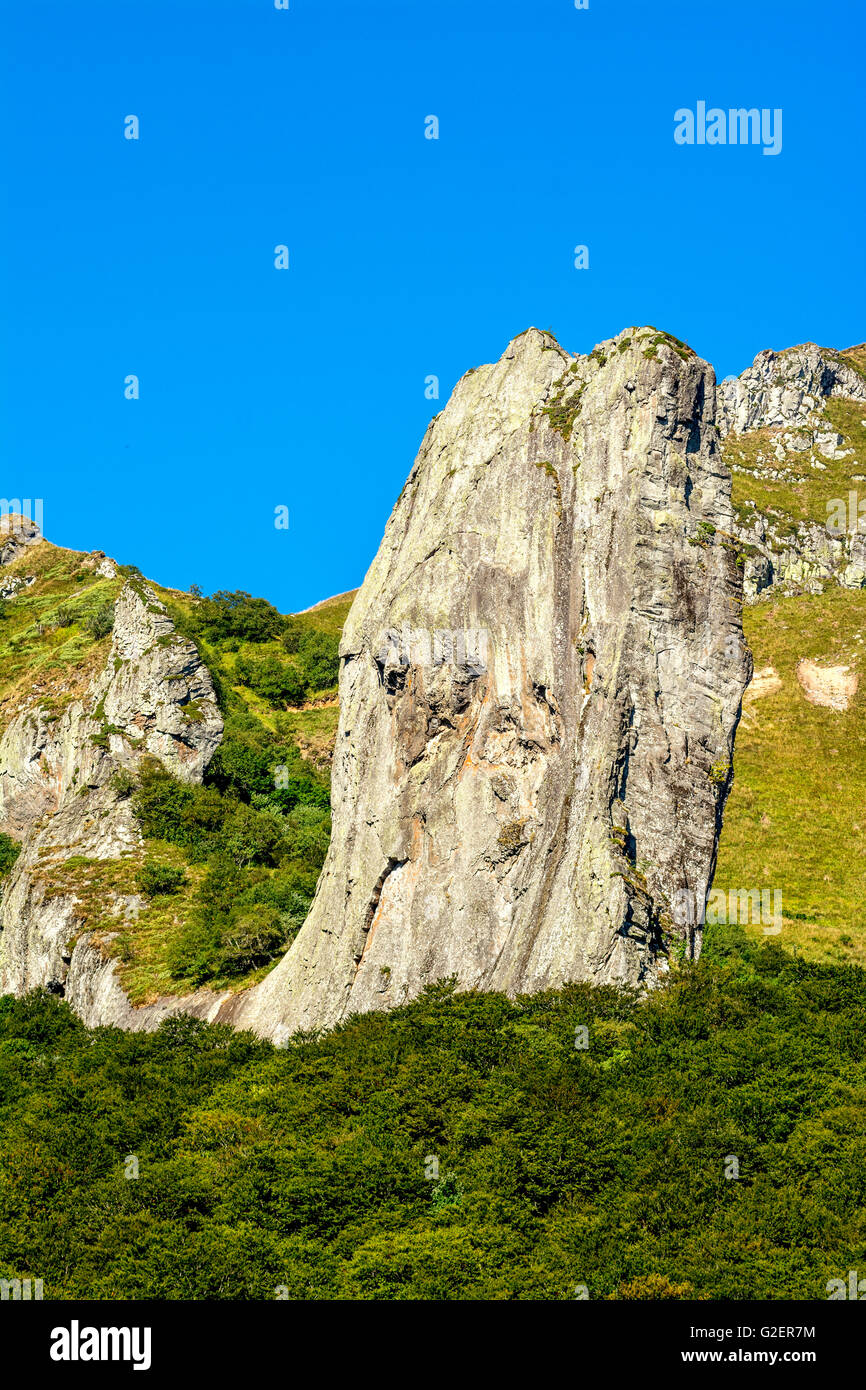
x=799, y=558
x=787, y=389
x=541, y=679
x=61, y=797
x=785, y=394
x=156, y=695
x=17, y=533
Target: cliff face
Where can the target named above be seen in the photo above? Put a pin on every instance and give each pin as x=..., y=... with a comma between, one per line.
x=796, y=440
x=541, y=679
x=62, y=798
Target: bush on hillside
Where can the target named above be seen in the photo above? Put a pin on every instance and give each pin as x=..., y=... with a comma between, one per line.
x=9, y=852
x=155, y=879
x=100, y=620
x=280, y=683
x=226, y=615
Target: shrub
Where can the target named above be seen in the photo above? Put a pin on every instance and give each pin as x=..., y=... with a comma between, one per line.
x=237, y=615
x=281, y=683
x=155, y=879
x=123, y=782
x=318, y=653
x=9, y=852
x=63, y=616
x=100, y=620
x=181, y=814
x=321, y=660
x=253, y=939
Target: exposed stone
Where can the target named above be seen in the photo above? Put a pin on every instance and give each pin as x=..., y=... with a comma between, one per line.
x=786, y=393
x=525, y=815
x=831, y=686
x=156, y=694
x=764, y=682
x=786, y=388
x=16, y=534
x=155, y=697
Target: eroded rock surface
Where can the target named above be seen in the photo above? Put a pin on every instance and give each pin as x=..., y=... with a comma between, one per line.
x=541, y=679
x=787, y=389
x=16, y=534
x=785, y=395
x=60, y=797
x=831, y=686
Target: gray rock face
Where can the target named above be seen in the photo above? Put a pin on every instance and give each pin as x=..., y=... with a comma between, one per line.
x=92, y=986
x=786, y=393
x=16, y=534
x=156, y=693
x=786, y=388
x=802, y=561
x=154, y=697
x=541, y=679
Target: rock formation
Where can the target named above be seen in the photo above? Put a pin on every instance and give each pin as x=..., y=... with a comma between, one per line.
x=541, y=679
x=784, y=395
x=60, y=795
x=788, y=389
x=16, y=534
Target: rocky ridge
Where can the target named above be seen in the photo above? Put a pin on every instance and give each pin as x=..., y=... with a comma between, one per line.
x=783, y=401
x=541, y=679
x=64, y=796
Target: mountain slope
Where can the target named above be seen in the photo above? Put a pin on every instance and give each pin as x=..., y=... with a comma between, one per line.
x=795, y=439
x=160, y=828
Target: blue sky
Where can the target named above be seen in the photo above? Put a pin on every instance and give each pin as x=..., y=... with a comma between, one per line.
x=409, y=257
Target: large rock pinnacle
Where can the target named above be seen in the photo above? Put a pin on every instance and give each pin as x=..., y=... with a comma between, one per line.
x=541, y=679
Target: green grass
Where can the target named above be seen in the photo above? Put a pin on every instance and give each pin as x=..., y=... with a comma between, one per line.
x=331, y=615
x=56, y=664
x=796, y=816
x=314, y=730
x=59, y=661
x=804, y=496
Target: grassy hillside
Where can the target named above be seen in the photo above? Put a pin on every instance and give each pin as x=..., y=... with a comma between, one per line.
x=459, y=1147
x=233, y=865
x=796, y=817
x=801, y=492
x=54, y=632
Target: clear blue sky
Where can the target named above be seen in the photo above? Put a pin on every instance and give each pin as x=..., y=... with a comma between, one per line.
x=408, y=257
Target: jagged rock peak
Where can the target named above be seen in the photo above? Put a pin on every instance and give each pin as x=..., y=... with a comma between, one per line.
x=541, y=678
x=786, y=388
x=156, y=694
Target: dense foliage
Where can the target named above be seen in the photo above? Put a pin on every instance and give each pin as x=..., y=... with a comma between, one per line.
x=9, y=851
x=283, y=660
x=237, y=615
x=313, y=1168
x=261, y=824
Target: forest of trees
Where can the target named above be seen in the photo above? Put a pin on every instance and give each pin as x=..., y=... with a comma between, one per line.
x=707, y=1142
